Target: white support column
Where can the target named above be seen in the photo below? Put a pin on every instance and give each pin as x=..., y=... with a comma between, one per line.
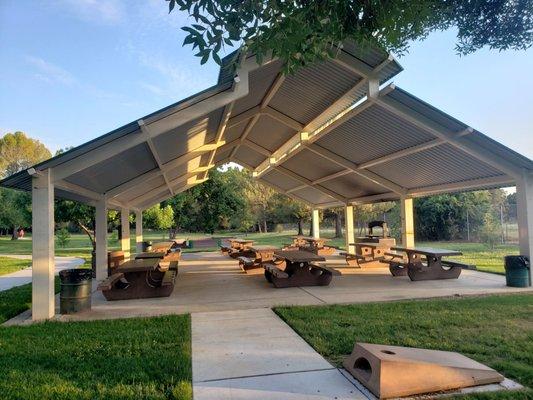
x=125, y=234
x=139, y=231
x=43, y=265
x=349, y=228
x=408, y=222
x=101, y=240
x=524, y=204
x=316, y=223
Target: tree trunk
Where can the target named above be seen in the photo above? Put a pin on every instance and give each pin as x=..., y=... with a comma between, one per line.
x=14, y=235
x=265, y=228
x=338, y=225
x=300, y=228
x=259, y=227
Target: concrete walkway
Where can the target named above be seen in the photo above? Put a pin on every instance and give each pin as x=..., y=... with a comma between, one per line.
x=253, y=354
x=24, y=276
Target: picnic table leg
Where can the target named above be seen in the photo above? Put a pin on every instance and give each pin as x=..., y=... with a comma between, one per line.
x=397, y=269
x=302, y=274
x=434, y=269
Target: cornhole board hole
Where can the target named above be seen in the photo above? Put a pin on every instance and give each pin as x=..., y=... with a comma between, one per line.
x=393, y=371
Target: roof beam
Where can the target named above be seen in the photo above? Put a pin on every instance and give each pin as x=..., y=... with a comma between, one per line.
x=271, y=92
x=309, y=183
x=473, y=184
x=158, y=199
x=178, y=161
x=255, y=147
x=284, y=119
x=244, y=116
x=353, y=167
x=332, y=176
x=437, y=130
x=294, y=145
x=409, y=151
x=174, y=183
x=155, y=153
x=374, y=197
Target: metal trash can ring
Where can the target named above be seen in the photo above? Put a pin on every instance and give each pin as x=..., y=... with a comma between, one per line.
x=76, y=287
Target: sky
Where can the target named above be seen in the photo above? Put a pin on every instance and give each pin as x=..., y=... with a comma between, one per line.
x=72, y=70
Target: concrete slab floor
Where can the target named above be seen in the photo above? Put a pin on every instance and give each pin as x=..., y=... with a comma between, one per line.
x=213, y=282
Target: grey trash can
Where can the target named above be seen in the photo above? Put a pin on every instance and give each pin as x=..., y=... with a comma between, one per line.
x=517, y=270
x=75, y=294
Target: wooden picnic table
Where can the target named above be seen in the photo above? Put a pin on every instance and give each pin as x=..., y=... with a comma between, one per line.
x=150, y=254
x=433, y=268
x=258, y=255
x=162, y=246
x=298, y=270
x=136, y=279
x=240, y=248
x=138, y=265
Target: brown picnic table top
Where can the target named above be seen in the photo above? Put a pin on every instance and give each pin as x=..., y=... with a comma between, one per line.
x=162, y=246
x=298, y=256
x=140, y=265
x=427, y=251
x=362, y=244
x=150, y=254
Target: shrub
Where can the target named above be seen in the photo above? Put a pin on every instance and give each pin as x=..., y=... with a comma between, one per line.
x=63, y=237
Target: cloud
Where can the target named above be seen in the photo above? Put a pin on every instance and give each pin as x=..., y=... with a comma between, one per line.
x=154, y=89
x=49, y=72
x=176, y=80
x=106, y=11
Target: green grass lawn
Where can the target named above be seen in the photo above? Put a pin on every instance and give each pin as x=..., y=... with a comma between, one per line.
x=141, y=358
x=8, y=265
x=494, y=330
x=16, y=300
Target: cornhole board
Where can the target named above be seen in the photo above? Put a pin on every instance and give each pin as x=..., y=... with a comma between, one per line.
x=393, y=371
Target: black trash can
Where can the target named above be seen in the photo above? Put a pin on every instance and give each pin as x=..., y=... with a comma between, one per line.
x=75, y=294
x=517, y=270
x=147, y=246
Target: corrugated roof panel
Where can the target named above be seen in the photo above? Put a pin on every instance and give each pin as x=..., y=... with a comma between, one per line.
x=427, y=110
x=188, y=136
x=280, y=180
x=478, y=139
x=184, y=168
x=311, y=166
x=353, y=185
x=371, y=134
x=248, y=156
x=222, y=155
x=314, y=196
x=140, y=190
x=270, y=133
x=234, y=132
x=114, y=171
x=439, y=165
x=308, y=92
x=260, y=81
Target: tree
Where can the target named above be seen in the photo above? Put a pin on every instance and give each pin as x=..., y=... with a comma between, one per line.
x=157, y=217
x=80, y=214
x=302, y=32
x=19, y=152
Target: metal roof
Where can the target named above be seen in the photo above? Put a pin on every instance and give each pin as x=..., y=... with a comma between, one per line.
x=325, y=135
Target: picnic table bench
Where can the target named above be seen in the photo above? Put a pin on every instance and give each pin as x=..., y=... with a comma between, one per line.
x=410, y=261
x=259, y=254
x=365, y=252
x=299, y=270
x=141, y=278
